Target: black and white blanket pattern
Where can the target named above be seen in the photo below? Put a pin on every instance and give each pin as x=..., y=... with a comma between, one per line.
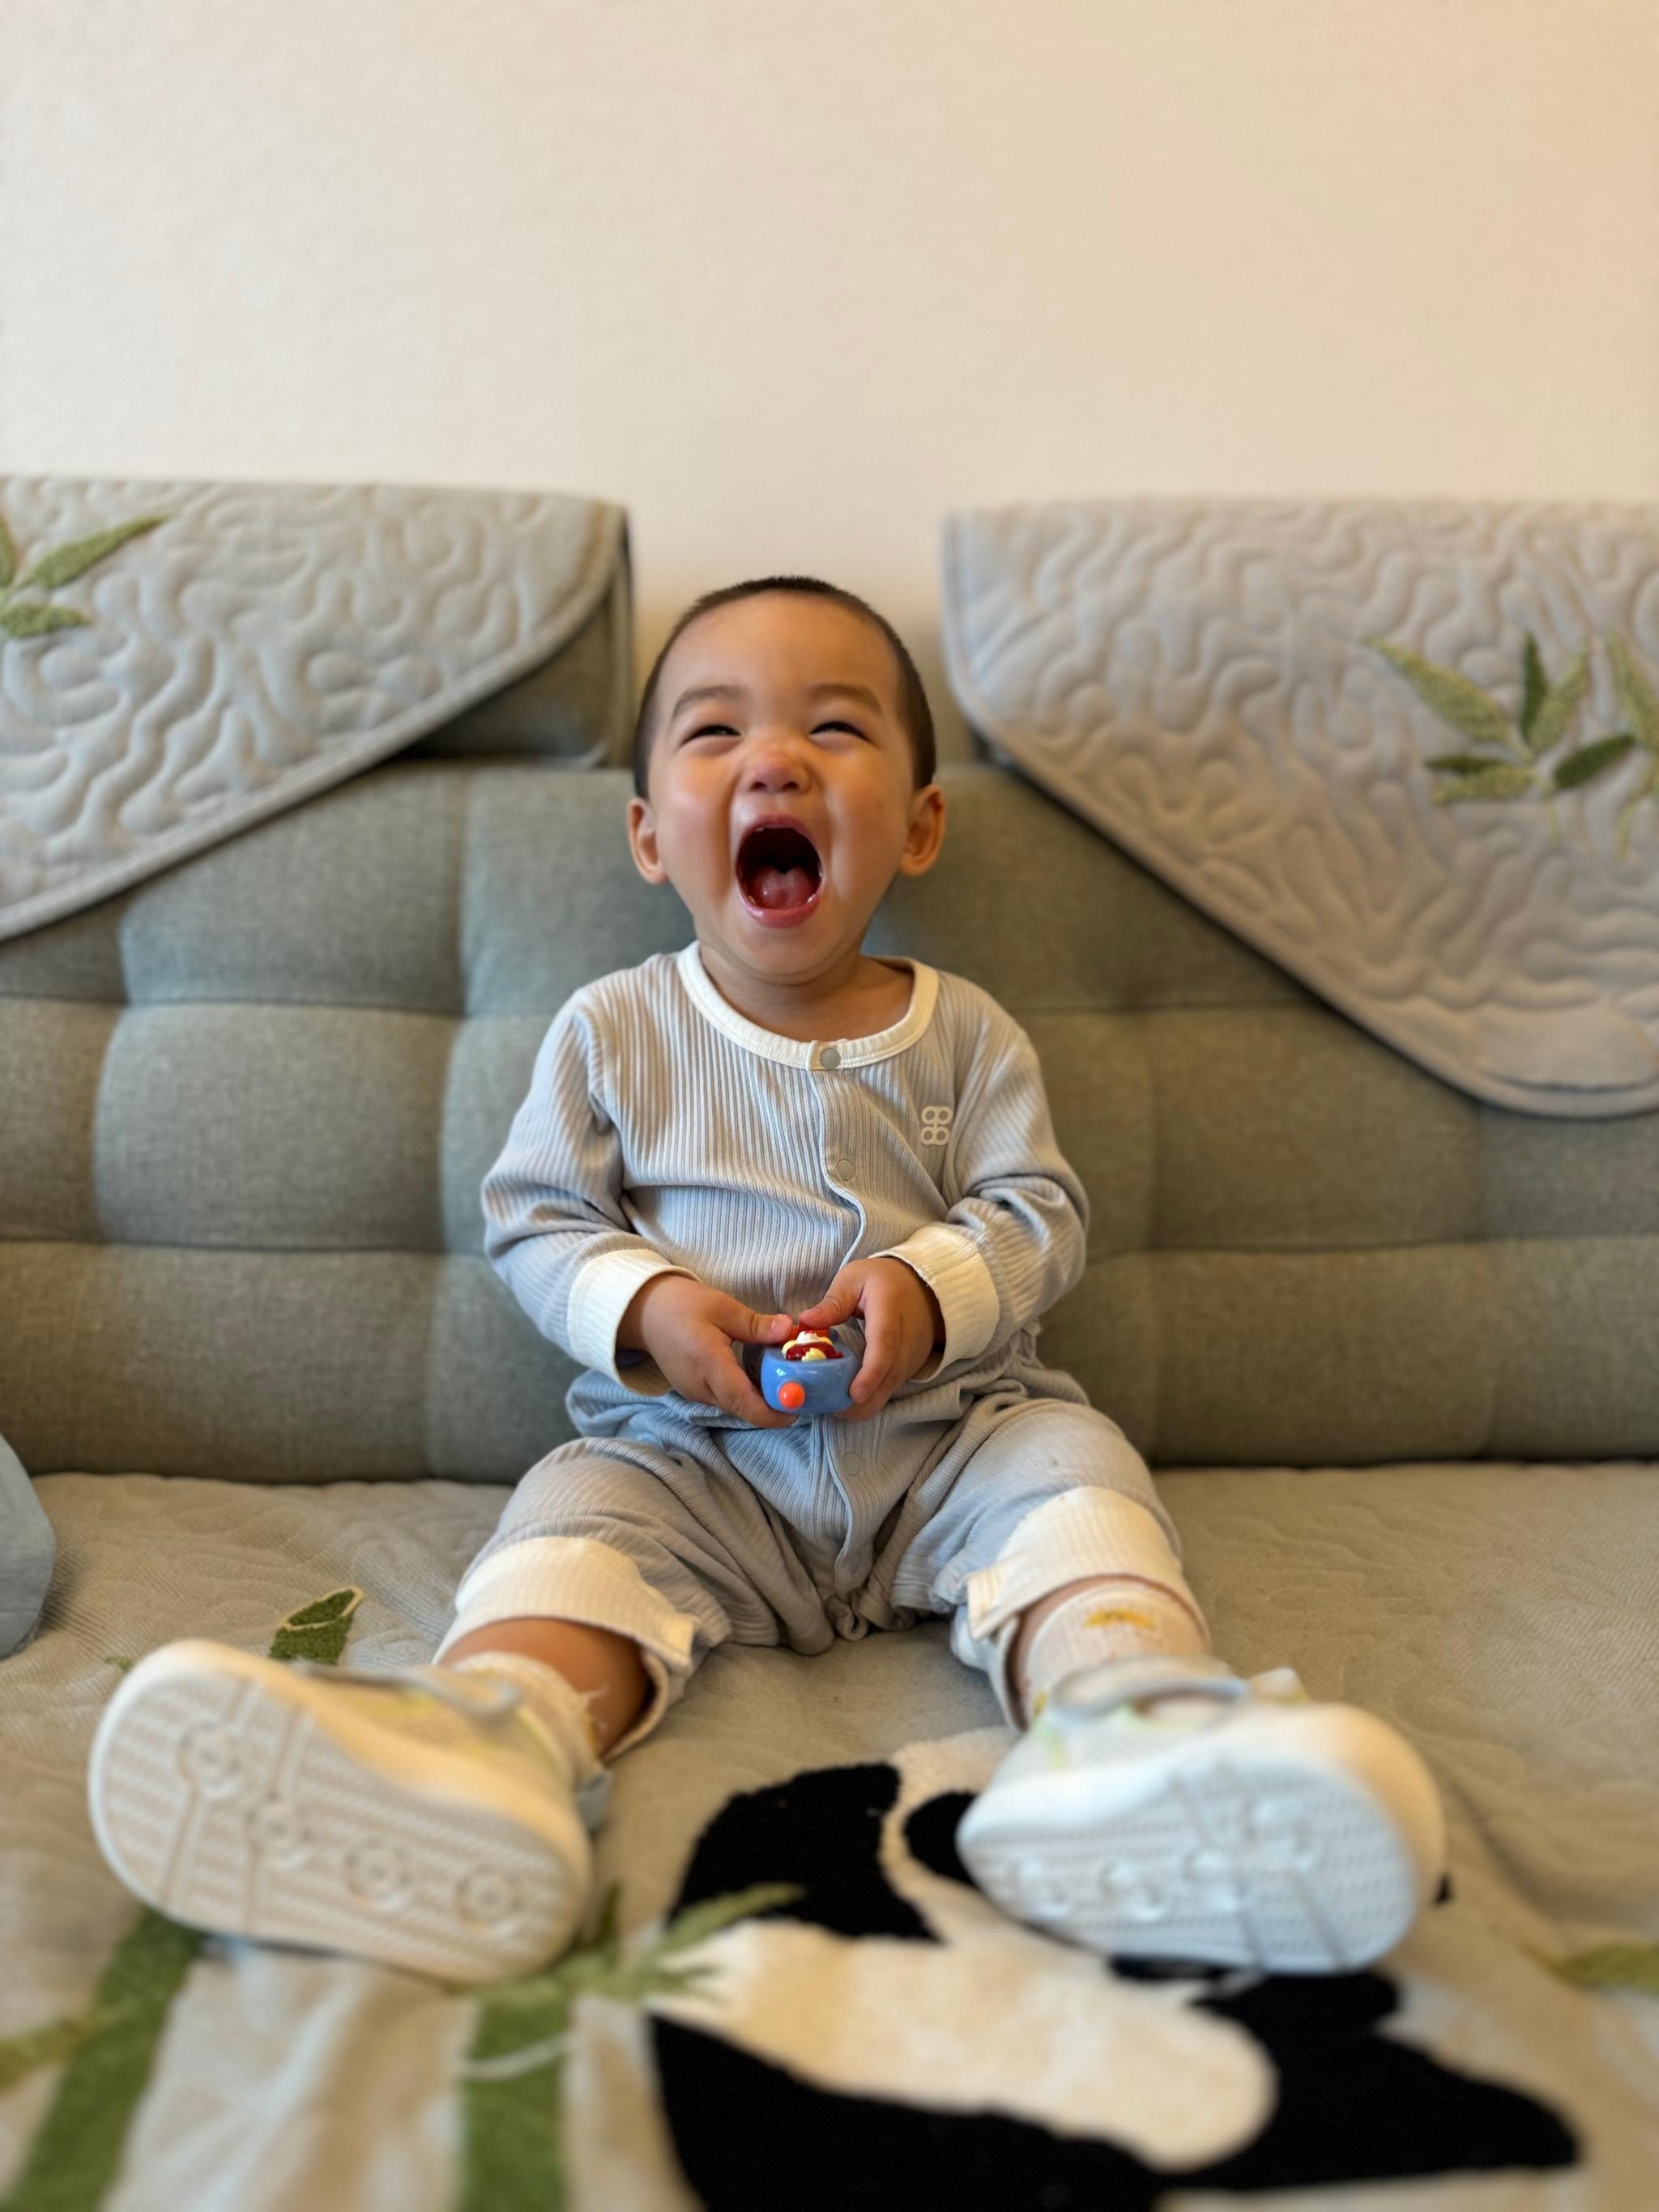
x=807, y=2001
x=892, y=2024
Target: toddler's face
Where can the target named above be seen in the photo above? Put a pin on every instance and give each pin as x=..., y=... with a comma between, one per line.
x=785, y=707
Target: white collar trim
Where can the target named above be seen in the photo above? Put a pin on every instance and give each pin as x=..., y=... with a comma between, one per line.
x=802, y=1052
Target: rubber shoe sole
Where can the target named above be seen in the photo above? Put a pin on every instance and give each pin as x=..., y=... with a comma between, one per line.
x=236, y=1796
x=1309, y=1848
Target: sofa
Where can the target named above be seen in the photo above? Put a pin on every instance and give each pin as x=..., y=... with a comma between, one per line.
x=1389, y=1348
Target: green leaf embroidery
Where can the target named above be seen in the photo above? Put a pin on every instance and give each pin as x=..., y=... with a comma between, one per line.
x=1590, y=761
x=1464, y=763
x=1635, y=692
x=1557, y=710
x=1546, y=716
x=512, y=2153
x=76, y=2151
x=1499, y=782
x=338, y=1605
x=1537, y=690
x=65, y=562
x=7, y=557
x=699, y=1922
x=1453, y=697
x=1610, y=1967
x=1648, y=786
x=41, y=2046
x=108, y=2053
x=318, y=1630
x=34, y=617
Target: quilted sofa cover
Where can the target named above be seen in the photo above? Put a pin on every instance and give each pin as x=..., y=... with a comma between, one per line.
x=1408, y=749
x=179, y=659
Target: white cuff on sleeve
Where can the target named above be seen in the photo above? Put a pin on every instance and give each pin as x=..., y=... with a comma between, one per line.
x=601, y=1292
x=949, y=1261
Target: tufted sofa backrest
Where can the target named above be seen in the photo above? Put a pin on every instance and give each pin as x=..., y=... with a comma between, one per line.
x=245, y=1110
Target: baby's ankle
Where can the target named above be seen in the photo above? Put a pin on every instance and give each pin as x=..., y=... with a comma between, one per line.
x=1096, y=1623
x=561, y=1714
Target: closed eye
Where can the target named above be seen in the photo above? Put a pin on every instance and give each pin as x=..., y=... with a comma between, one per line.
x=724, y=730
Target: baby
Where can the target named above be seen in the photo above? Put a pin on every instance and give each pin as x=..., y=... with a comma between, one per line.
x=766, y=1116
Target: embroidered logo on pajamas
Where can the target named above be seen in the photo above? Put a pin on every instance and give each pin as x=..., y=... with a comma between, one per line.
x=936, y=1124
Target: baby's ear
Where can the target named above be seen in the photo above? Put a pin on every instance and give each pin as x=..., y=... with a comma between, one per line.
x=926, y=833
x=642, y=841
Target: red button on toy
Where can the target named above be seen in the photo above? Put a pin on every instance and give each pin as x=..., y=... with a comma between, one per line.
x=791, y=1395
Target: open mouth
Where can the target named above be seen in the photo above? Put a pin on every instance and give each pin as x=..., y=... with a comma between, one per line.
x=779, y=870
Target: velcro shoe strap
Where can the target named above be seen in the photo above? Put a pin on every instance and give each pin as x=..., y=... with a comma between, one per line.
x=1095, y=1691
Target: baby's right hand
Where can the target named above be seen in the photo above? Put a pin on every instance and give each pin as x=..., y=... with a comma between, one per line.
x=688, y=1328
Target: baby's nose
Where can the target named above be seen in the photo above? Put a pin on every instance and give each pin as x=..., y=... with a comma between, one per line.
x=776, y=769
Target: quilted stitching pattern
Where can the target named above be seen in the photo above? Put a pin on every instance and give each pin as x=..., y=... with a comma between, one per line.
x=265, y=642
x=1191, y=675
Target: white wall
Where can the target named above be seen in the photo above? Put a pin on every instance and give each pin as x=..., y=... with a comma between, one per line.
x=792, y=278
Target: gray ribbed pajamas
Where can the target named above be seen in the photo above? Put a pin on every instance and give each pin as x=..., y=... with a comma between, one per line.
x=662, y=1130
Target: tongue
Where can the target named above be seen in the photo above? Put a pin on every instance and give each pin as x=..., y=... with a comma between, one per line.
x=781, y=887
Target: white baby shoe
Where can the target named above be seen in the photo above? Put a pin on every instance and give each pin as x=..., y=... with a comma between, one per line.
x=1163, y=1807
x=414, y=1815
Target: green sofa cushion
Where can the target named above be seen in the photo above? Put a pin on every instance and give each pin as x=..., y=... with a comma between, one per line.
x=245, y=1109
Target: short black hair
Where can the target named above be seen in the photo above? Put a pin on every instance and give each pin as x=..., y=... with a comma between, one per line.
x=913, y=697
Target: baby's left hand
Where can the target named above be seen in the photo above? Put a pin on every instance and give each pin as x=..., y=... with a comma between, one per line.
x=901, y=1324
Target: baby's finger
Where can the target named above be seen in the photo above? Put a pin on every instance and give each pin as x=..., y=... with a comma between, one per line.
x=837, y=1302
x=730, y=1389
x=747, y=1328
x=750, y=1407
x=870, y=1388
x=881, y=1353
x=865, y=1409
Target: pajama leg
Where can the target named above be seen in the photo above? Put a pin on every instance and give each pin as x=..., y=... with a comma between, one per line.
x=1048, y=1493
x=676, y=1553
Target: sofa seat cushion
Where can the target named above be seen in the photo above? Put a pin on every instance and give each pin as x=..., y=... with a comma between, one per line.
x=1501, y=1615
x=1507, y=1617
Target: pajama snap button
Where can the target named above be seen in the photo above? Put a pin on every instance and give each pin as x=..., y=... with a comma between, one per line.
x=829, y=1057
x=840, y=1169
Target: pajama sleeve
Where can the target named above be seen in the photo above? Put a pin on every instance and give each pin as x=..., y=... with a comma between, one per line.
x=555, y=1227
x=1015, y=1240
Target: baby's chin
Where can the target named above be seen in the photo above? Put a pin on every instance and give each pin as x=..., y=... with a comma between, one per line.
x=825, y=929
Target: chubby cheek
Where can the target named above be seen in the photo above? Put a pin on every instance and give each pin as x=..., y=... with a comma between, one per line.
x=694, y=851
x=862, y=864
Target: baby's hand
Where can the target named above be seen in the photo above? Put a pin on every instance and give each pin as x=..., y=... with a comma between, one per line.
x=688, y=1328
x=901, y=1324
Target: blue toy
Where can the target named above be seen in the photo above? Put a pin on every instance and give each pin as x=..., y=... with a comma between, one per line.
x=810, y=1374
